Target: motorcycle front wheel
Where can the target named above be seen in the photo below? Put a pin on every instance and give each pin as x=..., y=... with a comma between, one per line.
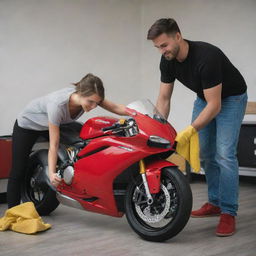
x=169, y=212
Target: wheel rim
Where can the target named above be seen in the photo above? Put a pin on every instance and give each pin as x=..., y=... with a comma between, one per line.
x=164, y=208
x=37, y=188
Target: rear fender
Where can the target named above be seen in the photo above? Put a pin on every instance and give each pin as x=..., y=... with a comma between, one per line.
x=153, y=174
x=41, y=154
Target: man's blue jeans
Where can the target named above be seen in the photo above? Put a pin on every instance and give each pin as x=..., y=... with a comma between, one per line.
x=218, y=149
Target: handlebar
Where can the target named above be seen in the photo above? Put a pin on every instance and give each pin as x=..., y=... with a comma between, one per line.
x=114, y=126
x=128, y=127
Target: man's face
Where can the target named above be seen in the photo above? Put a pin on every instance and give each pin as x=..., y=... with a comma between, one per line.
x=168, y=45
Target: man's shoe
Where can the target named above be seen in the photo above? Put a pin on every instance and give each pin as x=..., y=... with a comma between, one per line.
x=207, y=210
x=227, y=225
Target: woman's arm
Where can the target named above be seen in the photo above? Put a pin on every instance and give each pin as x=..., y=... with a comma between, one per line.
x=54, y=134
x=114, y=107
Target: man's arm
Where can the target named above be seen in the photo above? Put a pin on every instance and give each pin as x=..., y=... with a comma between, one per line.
x=213, y=107
x=164, y=99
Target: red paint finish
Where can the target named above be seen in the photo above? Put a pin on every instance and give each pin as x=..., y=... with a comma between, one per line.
x=108, y=155
x=153, y=179
x=153, y=174
x=92, y=127
x=105, y=156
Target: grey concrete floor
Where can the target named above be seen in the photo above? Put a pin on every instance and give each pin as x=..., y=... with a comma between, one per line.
x=76, y=232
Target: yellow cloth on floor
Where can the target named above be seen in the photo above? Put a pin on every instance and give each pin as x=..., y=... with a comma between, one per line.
x=188, y=146
x=23, y=218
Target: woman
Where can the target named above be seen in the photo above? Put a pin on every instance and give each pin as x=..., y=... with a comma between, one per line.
x=46, y=114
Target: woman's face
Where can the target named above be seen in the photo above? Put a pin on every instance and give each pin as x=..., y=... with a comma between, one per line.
x=90, y=102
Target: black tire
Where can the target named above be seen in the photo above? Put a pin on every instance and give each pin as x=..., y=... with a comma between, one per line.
x=178, y=213
x=188, y=172
x=3, y=198
x=35, y=186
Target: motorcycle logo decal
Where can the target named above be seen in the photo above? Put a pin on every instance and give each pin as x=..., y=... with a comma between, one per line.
x=128, y=149
x=102, y=121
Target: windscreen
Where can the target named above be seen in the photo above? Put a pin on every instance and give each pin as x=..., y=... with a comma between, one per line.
x=146, y=107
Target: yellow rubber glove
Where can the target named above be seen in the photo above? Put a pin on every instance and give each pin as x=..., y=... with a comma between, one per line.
x=23, y=218
x=188, y=146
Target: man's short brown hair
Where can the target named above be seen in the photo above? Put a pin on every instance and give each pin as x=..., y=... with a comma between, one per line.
x=167, y=26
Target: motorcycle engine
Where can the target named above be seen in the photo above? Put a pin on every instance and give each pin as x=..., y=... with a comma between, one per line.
x=67, y=168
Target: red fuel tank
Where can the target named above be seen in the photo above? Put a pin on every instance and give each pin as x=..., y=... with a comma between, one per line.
x=92, y=127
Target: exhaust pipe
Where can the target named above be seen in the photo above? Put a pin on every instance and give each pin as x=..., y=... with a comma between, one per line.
x=68, y=201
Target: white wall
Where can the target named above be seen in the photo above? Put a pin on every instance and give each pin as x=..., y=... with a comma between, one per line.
x=45, y=45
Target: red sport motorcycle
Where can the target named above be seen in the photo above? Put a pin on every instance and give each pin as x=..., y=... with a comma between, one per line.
x=115, y=167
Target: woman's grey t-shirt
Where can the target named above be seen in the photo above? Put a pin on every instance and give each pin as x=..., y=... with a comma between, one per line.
x=51, y=108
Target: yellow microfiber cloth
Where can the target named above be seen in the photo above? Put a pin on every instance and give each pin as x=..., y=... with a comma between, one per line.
x=23, y=218
x=188, y=146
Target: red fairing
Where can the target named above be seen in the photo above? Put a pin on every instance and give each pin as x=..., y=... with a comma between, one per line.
x=92, y=128
x=107, y=155
x=95, y=173
x=150, y=126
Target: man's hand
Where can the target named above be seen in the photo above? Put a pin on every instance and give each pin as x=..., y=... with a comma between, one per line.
x=188, y=146
x=184, y=136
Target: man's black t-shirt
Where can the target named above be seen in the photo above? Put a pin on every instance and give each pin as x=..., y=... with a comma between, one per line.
x=205, y=67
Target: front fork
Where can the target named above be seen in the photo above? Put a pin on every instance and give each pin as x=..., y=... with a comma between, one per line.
x=145, y=182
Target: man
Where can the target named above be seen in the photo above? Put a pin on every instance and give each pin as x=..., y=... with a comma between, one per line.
x=217, y=114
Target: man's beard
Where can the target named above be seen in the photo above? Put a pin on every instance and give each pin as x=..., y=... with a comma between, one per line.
x=174, y=53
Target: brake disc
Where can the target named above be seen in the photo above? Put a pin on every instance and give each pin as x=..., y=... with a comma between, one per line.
x=146, y=214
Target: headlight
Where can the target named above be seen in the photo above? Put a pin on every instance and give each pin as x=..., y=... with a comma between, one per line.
x=158, y=142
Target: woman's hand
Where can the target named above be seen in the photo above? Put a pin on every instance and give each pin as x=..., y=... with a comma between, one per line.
x=54, y=179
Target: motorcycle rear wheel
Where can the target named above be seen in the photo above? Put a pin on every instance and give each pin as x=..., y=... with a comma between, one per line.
x=168, y=214
x=35, y=187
